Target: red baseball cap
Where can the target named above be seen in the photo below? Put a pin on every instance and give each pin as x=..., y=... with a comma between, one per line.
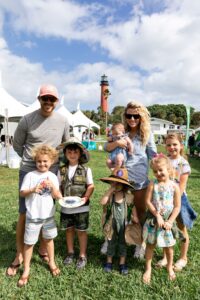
x=48, y=89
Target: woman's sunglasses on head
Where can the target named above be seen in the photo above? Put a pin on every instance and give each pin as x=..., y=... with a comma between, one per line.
x=48, y=98
x=131, y=116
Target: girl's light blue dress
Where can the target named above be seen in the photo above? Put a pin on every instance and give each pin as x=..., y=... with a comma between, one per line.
x=163, y=200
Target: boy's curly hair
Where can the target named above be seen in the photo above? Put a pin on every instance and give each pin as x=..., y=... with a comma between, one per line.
x=51, y=152
x=144, y=126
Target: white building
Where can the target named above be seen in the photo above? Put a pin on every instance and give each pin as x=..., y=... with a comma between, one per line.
x=160, y=126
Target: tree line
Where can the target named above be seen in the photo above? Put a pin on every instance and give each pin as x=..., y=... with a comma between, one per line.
x=176, y=113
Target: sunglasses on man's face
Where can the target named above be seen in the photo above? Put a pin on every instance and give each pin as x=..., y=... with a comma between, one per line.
x=48, y=98
x=130, y=116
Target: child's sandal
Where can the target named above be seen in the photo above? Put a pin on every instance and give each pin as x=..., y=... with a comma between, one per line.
x=180, y=264
x=13, y=268
x=162, y=263
x=44, y=257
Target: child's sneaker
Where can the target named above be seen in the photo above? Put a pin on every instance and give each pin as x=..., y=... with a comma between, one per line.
x=69, y=259
x=107, y=267
x=81, y=263
x=104, y=247
x=123, y=269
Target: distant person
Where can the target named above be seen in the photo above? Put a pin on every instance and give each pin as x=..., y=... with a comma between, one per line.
x=40, y=187
x=2, y=149
x=191, y=143
x=76, y=180
x=11, y=140
x=83, y=136
x=159, y=140
x=87, y=135
x=92, y=135
x=118, y=157
x=1, y=127
x=43, y=126
x=3, y=140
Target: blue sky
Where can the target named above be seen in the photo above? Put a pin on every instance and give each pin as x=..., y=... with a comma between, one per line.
x=148, y=49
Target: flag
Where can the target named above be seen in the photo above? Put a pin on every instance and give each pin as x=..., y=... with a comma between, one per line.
x=188, y=126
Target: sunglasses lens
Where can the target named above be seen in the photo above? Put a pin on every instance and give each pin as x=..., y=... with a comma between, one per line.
x=130, y=116
x=48, y=98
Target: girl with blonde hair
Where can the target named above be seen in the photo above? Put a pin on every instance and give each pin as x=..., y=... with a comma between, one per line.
x=163, y=203
x=181, y=171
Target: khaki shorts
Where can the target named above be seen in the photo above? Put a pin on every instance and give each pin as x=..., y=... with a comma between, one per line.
x=32, y=230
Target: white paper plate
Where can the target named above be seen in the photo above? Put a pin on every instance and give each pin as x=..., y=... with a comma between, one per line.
x=71, y=202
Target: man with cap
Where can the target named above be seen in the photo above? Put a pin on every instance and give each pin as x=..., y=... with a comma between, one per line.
x=42, y=126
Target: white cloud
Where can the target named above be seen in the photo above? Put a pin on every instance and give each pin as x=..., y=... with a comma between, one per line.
x=57, y=18
x=164, y=45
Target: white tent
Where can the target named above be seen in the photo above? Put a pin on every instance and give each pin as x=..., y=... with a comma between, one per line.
x=9, y=106
x=10, y=110
x=65, y=112
x=79, y=119
x=61, y=109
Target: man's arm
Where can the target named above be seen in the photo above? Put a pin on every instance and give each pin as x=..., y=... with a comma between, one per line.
x=65, y=136
x=20, y=137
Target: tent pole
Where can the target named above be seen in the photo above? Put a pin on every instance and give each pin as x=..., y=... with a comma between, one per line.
x=6, y=136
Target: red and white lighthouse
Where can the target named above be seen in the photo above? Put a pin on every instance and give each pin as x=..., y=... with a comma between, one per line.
x=105, y=93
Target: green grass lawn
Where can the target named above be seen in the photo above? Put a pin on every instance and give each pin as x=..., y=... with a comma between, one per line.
x=93, y=283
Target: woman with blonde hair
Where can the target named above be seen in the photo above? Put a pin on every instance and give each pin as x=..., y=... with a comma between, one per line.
x=136, y=119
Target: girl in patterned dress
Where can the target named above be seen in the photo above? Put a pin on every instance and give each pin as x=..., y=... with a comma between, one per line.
x=163, y=203
x=175, y=148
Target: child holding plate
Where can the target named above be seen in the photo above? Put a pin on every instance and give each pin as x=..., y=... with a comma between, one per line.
x=77, y=187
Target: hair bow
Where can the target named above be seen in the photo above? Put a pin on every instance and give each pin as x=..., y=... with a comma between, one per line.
x=158, y=155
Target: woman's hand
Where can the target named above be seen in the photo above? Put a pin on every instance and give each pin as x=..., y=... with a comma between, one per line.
x=122, y=143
